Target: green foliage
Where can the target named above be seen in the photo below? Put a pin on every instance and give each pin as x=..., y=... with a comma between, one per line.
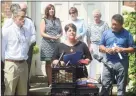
x=2, y=20
x=130, y=25
x=130, y=22
x=35, y=49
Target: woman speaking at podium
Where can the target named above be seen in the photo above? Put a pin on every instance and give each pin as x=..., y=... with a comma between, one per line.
x=70, y=46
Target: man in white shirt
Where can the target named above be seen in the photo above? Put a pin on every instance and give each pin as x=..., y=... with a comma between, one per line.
x=16, y=40
x=6, y=24
x=28, y=24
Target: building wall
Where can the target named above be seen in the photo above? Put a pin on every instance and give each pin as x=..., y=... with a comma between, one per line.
x=7, y=14
x=130, y=4
x=34, y=10
x=5, y=8
x=108, y=9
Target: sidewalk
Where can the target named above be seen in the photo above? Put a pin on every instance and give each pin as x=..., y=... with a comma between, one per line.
x=40, y=87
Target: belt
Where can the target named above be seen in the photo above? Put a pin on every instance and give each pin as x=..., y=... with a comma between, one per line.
x=16, y=61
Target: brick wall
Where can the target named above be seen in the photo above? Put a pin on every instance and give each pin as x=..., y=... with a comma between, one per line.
x=5, y=8
x=130, y=4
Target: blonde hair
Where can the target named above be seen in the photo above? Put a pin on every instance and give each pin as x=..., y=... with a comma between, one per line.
x=97, y=11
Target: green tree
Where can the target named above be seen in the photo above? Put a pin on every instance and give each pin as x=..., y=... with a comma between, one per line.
x=130, y=25
x=35, y=49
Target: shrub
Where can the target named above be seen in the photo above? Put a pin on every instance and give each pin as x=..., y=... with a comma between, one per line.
x=35, y=49
x=2, y=19
x=130, y=25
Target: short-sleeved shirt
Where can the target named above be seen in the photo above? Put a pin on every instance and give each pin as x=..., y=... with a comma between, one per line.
x=122, y=39
x=94, y=31
x=80, y=47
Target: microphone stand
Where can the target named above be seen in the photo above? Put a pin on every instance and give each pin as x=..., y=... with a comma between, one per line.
x=104, y=91
x=59, y=59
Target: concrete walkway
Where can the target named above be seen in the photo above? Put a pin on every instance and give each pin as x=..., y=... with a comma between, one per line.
x=39, y=87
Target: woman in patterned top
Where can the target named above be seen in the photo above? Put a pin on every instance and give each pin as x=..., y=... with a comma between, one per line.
x=51, y=31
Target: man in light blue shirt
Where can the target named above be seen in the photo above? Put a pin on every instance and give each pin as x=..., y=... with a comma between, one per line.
x=116, y=43
x=16, y=40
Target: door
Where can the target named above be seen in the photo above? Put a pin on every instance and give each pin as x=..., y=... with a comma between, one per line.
x=85, y=10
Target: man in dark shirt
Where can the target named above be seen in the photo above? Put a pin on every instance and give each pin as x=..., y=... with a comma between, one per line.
x=116, y=43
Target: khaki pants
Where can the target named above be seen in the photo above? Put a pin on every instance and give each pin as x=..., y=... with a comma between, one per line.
x=16, y=77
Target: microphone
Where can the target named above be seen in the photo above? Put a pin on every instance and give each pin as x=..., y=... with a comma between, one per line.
x=67, y=63
x=101, y=59
x=60, y=58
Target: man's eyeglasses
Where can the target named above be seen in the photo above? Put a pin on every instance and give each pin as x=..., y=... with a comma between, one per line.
x=72, y=12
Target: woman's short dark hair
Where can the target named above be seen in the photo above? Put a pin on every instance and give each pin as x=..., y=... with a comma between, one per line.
x=118, y=18
x=70, y=25
x=73, y=9
x=47, y=10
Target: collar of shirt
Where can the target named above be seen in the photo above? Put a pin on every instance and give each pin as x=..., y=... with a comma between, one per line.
x=17, y=27
x=18, y=46
x=100, y=24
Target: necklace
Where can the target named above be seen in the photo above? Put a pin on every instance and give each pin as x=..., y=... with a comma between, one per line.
x=71, y=49
x=71, y=46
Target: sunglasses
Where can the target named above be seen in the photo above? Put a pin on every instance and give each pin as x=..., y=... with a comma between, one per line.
x=72, y=12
